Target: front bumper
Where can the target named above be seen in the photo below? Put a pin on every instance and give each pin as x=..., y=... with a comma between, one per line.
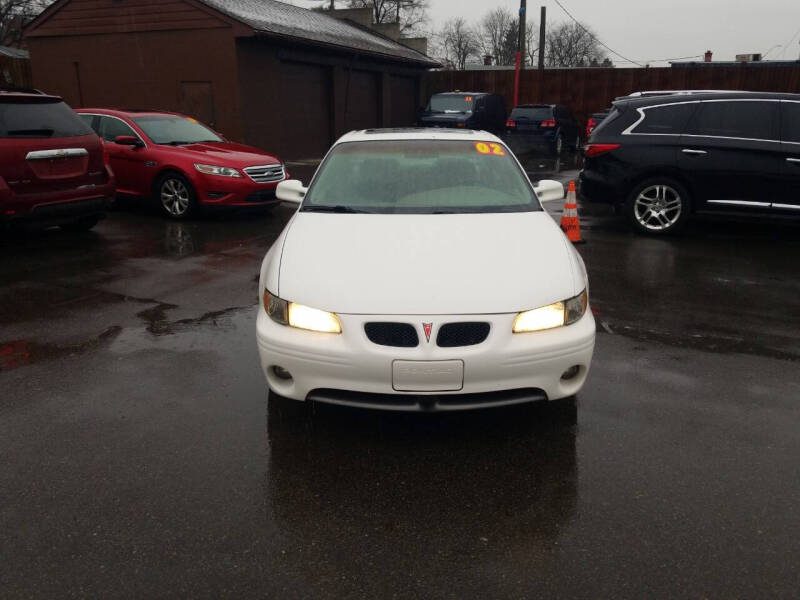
x=349, y=369
x=233, y=191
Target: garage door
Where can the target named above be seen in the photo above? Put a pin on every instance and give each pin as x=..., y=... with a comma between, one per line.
x=403, y=101
x=306, y=110
x=363, y=101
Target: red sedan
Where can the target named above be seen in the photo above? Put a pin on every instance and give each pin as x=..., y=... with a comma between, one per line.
x=181, y=163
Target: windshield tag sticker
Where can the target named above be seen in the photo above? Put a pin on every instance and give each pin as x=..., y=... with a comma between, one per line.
x=490, y=149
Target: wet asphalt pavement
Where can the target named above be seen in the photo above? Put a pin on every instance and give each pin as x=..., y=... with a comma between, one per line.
x=139, y=458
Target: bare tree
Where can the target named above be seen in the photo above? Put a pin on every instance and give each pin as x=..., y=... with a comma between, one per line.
x=498, y=33
x=572, y=45
x=412, y=13
x=532, y=43
x=492, y=34
x=14, y=15
x=459, y=42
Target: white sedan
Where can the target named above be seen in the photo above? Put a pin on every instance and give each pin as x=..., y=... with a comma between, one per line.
x=420, y=272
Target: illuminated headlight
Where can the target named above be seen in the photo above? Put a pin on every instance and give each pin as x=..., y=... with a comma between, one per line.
x=299, y=316
x=552, y=315
x=214, y=170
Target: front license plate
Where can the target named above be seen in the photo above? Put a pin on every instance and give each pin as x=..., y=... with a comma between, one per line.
x=427, y=375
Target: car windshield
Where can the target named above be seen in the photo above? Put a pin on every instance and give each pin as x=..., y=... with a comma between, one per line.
x=450, y=104
x=420, y=177
x=175, y=130
x=40, y=120
x=536, y=113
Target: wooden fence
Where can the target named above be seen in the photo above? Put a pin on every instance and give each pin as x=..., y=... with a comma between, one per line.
x=591, y=90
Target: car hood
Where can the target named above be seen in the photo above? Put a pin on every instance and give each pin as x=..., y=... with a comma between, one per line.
x=229, y=154
x=427, y=264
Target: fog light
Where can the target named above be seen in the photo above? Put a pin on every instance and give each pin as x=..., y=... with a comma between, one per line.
x=281, y=373
x=571, y=373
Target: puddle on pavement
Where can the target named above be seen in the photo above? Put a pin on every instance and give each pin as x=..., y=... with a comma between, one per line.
x=185, y=334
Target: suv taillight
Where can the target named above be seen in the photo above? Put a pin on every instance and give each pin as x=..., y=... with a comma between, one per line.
x=590, y=150
x=511, y=124
x=549, y=123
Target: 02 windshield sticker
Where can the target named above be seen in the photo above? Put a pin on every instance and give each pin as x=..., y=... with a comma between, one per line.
x=489, y=149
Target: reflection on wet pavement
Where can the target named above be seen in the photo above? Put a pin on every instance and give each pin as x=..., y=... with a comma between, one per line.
x=134, y=268
x=435, y=498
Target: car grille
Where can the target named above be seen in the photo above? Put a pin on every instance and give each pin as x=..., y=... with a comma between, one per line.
x=401, y=335
x=452, y=335
x=266, y=173
x=427, y=402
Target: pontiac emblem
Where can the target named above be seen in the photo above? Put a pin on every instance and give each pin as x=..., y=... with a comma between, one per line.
x=427, y=327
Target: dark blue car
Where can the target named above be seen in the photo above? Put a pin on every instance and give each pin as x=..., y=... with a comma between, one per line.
x=467, y=110
x=549, y=126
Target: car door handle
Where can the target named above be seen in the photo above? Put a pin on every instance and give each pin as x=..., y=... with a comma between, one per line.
x=696, y=152
x=793, y=160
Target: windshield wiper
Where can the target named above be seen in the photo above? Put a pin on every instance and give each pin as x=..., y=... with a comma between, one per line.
x=178, y=143
x=339, y=208
x=42, y=132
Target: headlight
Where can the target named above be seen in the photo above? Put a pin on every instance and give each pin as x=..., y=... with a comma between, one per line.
x=214, y=170
x=299, y=316
x=552, y=315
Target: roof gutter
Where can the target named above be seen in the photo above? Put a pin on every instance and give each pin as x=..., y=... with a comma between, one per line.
x=429, y=63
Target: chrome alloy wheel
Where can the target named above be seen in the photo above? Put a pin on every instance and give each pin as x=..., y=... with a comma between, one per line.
x=658, y=207
x=175, y=197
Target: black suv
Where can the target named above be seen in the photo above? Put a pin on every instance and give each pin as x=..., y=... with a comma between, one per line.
x=663, y=158
x=548, y=125
x=468, y=110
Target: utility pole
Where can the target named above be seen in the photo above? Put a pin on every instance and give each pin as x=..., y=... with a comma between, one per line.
x=333, y=6
x=542, y=34
x=522, y=11
x=520, y=51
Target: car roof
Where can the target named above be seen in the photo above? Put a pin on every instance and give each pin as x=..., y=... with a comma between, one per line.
x=127, y=112
x=417, y=133
x=694, y=96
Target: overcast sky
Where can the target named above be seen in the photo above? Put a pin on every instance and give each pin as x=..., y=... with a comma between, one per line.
x=646, y=30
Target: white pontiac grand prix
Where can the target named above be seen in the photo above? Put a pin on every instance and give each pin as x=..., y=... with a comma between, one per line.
x=420, y=272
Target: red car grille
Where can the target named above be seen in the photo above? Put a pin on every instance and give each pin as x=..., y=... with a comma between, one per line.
x=266, y=173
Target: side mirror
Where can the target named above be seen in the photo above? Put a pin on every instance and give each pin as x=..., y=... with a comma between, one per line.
x=291, y=191
x=548, y=190
x=128, y=140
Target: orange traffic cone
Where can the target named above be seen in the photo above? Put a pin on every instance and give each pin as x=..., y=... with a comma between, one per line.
x=569, y=218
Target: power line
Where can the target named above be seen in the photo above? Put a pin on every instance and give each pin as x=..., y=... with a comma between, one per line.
x=787, y=44
x=579, y=24
x=673, y=59
x=657, y=60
